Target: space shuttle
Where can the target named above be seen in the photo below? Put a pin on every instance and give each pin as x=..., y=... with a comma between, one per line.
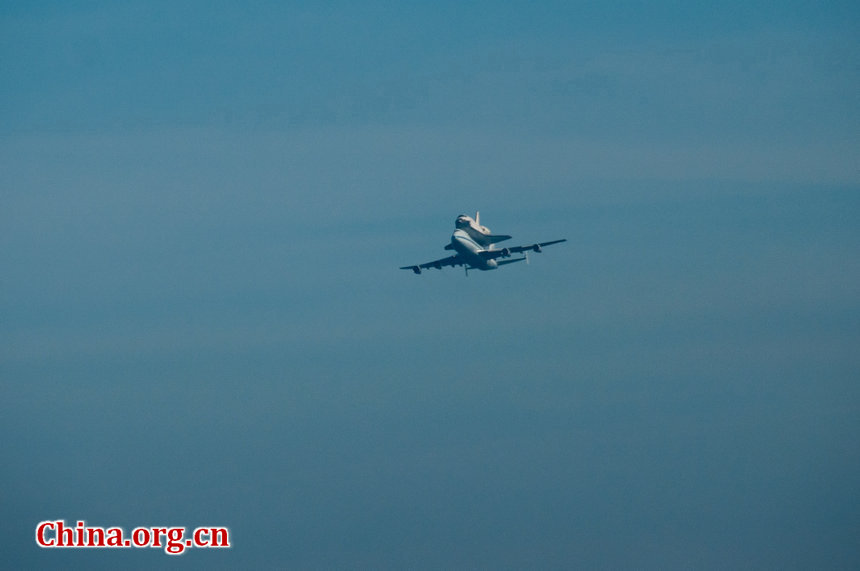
x=475, y=248
x=477, y=232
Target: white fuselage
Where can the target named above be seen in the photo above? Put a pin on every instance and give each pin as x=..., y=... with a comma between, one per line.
x=480, y=234
x=465, y=245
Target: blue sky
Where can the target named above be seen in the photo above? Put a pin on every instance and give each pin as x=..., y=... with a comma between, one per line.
x=205, y=205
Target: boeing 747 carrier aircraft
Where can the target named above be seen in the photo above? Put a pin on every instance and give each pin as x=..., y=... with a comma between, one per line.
x=476, y=248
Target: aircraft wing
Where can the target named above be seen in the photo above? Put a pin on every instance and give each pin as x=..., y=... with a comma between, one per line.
x=505, y=252
x=456, y=260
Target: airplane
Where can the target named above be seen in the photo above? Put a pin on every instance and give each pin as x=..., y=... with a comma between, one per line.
x=475, y=247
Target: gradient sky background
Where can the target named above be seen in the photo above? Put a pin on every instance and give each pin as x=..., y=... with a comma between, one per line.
x=204, y=206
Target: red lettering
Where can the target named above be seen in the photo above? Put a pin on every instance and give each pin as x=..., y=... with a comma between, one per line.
x=135, y=537
x=114, y=537
x=92, y=540
x=80, y=534
x=65, y=535
x=157, y=532
x=198, y=533
x=40, y=534
x=174, y=541
x=221, y=537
